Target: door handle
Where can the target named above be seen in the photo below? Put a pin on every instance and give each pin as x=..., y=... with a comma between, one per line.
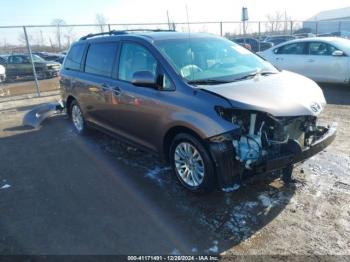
x=116, y=90
x=104, y=86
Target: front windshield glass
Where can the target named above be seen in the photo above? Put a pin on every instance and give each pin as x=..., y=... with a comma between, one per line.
x=37, y=58
x=211, y=58
x=343, y=45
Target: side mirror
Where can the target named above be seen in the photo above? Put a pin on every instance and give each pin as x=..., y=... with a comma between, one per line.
x=338, y=53
x=144, y=78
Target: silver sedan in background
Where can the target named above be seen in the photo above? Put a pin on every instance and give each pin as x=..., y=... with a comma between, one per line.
x=2, y=74
x=323, y=59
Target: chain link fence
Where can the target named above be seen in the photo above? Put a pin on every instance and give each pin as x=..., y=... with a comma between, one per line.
x=30, y=56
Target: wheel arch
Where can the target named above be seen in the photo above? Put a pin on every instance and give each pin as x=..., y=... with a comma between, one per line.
x=170, y=135
x=69, y=101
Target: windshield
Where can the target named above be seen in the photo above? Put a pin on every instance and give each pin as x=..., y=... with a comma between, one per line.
x=211, y=58
x=343, y=45
x=36, y=58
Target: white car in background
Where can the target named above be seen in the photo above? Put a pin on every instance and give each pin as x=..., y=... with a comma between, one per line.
x=323, y=59
x=2, y=74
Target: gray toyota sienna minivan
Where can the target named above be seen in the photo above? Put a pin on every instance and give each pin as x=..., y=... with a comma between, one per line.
x=217, y=112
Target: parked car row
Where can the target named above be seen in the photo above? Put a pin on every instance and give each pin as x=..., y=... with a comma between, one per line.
x=343, y=34
x=265, y=42
x=19, y=65
x=57, y=57
x=252, y=44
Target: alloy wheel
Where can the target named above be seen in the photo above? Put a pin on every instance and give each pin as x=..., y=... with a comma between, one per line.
x=189, y=164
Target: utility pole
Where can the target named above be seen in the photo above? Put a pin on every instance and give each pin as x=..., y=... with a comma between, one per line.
x=167, y=15
x=31, y=61
x=244, y=19
x=285, y=21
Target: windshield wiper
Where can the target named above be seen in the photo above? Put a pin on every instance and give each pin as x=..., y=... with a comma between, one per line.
x=251, y=75
x=208, y=82
x=217, y=81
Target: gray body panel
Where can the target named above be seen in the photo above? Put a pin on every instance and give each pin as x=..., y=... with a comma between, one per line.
x=282, y=94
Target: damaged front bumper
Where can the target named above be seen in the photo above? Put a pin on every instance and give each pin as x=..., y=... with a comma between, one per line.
x=230, y=171
x=38, y=114
x=324, y=140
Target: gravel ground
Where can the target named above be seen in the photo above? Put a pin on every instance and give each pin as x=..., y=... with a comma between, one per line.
x=263, y=216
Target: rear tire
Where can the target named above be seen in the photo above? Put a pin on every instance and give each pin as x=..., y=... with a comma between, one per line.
x=77, y=117
x=192, y=164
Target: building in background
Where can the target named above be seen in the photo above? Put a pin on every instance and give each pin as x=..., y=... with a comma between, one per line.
x=332, y=22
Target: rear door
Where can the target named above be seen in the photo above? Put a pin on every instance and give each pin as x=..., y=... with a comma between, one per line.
x=96, y=82
x=290, y=57
x=322, y=66
x=72, y=69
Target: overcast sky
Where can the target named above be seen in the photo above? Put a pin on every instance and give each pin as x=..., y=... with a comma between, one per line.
x=23, y=12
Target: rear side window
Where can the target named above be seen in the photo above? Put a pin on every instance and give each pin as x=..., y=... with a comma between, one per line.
x=74, y=57
x=100, y=58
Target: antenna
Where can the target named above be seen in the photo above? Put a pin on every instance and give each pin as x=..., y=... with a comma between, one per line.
x=189, y=42
x=167, y=14
x=188, y=21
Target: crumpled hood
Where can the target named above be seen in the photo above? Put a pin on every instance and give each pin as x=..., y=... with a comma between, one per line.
x=281, y=94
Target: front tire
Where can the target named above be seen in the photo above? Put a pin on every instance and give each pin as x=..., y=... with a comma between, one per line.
x=77, y=118
x=192, y=164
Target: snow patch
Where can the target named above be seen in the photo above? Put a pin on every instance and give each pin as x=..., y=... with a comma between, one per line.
x=265, y=200
x=154, y=174
x=231, y=189
x=175, y=252
x=5, y=186
x=250, y=204
x=214, y=248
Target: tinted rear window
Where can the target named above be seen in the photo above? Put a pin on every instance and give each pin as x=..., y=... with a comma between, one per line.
x=100, y=58
x=74, y=57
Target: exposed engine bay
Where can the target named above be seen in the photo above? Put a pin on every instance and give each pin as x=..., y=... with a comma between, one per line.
x=263, y=136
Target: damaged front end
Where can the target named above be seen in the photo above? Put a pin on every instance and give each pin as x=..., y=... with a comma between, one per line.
x=261, y=143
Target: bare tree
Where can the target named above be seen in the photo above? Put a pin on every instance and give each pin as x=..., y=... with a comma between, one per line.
x=275, y=22
x=69, y=35
x=101, y=22
x=58, y=22
x=42, y=41
x=22, y=39
x=51, y=44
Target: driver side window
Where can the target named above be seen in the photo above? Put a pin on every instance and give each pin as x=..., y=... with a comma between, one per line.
x=134, y=58
x=320, y=48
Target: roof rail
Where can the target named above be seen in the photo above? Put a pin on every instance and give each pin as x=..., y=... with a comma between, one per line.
x=122, y=32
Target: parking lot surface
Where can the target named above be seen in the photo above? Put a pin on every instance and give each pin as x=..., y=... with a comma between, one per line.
x=66, y=194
